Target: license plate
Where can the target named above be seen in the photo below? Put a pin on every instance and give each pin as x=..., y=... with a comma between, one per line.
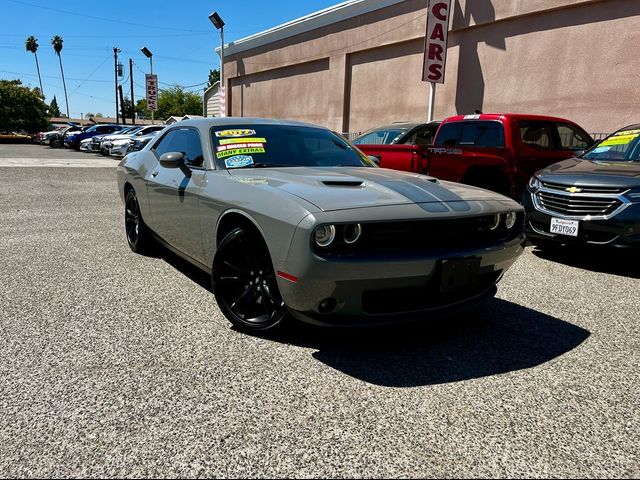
x=560, y=226
x=459, y=273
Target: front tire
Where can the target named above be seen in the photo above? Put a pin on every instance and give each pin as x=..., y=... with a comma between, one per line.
x=138, y=236
x=244, y=283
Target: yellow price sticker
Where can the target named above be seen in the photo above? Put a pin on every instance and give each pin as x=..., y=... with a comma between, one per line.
x=228, y=141
x=619, y=140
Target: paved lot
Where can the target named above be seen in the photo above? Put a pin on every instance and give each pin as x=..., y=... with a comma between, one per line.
x=113, y=364
x=29, y=155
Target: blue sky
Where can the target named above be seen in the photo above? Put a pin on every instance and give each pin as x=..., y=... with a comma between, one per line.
x=178, y=33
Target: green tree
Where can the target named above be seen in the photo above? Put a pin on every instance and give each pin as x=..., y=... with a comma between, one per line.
x=21, y=108
x=54, y=110
x=126, y=107
x=141, y=108
x=57, y=46
x=99, y=115
x=89, y=115
x=31, y=44
x=176, y=101
x=214, y=76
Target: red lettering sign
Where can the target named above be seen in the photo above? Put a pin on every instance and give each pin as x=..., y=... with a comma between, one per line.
x=435, y=46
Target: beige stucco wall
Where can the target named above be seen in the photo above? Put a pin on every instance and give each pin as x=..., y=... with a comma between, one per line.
x=571, y=58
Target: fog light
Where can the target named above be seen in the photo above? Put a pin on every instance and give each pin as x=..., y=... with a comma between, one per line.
x=496, y=221
x=510, y=219
x=327, y=305
x=324, y=235
x=352, y=233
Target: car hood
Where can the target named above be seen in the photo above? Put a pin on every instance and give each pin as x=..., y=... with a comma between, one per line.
x=340, y=188
x=117, y=137
x=576, y=171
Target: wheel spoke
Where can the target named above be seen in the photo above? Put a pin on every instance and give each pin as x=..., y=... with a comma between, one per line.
x=242, y=299
x=232, y=279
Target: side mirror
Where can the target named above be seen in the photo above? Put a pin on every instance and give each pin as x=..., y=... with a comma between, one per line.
x=375, y=159
x=172, y=159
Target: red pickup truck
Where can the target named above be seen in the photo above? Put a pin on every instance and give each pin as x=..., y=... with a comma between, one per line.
x=499, y=152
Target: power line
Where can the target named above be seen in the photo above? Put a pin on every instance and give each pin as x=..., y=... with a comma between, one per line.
x=122, y=22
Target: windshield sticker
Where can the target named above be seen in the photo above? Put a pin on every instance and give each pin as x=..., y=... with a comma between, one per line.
x=601, y=149
x=238, y=161
x=228, y=141
x=239, y=151
x=235, y=133
x=471, y=117
x=234, y=146
x=627, y=132
x=619, y=139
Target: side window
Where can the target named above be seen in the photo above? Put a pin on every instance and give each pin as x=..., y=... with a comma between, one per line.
x=425, y=136
x=572, y=138
x=536, y=134
x=471, y=134
x=183, y=140
x=422, y=136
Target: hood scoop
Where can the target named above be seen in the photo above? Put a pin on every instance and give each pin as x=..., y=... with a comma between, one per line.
x=343, y=183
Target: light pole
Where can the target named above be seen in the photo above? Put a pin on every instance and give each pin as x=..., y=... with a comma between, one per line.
x=147, y=53
x=219, y=24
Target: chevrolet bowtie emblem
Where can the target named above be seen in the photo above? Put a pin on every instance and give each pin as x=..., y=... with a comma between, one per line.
x=573, y=190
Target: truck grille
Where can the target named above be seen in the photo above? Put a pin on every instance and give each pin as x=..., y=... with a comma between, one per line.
x=577, y=205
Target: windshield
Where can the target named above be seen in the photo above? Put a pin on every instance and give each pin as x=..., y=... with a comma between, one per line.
x=384, y=136
x=624, y=145
x=283, y=146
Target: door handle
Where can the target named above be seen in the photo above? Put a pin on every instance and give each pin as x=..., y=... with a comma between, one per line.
x=154, y=174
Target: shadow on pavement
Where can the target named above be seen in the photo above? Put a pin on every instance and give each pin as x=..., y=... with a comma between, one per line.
x=499, y=337
x=625, y=263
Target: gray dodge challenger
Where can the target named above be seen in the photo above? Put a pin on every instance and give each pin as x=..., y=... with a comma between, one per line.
x=291, y=220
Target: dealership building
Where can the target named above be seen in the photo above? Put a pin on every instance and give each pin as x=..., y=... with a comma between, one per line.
x=359, y=64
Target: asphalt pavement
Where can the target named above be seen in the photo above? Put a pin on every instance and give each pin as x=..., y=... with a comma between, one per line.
x=114, y=364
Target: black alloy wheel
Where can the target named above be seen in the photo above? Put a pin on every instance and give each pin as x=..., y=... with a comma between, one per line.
x=136, y=231
x=244, y=283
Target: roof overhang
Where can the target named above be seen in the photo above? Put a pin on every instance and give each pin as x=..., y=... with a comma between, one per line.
x=319, y=19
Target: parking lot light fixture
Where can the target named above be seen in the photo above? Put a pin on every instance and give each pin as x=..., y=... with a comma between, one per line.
x=147, y=53
x=219, y=24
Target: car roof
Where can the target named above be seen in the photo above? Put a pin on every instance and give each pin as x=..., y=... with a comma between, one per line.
x=506, y=116
x=242, y=121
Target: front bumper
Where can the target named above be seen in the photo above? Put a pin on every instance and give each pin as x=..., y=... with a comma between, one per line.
x=372, y=291
x=119, y=150
x=620, y=231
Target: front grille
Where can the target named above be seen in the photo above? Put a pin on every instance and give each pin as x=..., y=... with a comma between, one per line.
x=577, y=205
x=602, y=190
x=418, y=237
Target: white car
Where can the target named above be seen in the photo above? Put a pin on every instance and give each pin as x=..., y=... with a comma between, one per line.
x=108, y=142
x=84, y=144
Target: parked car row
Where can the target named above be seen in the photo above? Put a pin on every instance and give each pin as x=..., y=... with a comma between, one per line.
x=114, y=140
x=575, y=190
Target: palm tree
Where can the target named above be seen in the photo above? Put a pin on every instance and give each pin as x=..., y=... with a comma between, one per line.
x=32, y=46
x=57, y=46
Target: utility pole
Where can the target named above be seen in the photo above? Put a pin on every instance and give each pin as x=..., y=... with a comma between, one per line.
x=133, y=106
x=124, y=113
x=116, y=50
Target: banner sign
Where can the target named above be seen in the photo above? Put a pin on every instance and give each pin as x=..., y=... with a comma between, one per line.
x=435, y=44
x=152, y=92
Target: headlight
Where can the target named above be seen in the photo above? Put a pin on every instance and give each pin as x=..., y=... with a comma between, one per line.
x=351, y=233
x=510, y=219
x=495, y=222
x=324, y=235
x=534, y=184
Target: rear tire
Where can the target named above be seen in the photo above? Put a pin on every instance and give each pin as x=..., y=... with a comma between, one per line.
x=244, y=283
